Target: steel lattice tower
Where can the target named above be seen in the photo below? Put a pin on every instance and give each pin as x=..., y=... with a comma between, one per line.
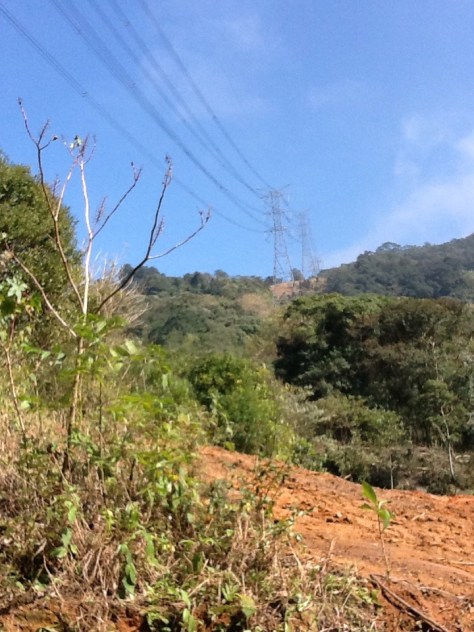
x=277, y=211
x=309, y=263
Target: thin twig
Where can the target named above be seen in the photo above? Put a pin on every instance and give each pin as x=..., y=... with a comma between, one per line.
x=90, y=240
x=47, y=195
x=11, y=378
x=136, y=177
x=399, y=602
x=205, y=217
x=155, y=232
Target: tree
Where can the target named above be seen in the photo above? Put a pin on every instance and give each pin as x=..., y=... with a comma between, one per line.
x=85, y=321
x=27, y=227
x=321, y=341
x=428, y=271
x=410, y=356
x=240, y=396
x=297, y=275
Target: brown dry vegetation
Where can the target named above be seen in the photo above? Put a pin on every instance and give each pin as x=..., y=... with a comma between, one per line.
x=430, y=542
x=430, y=547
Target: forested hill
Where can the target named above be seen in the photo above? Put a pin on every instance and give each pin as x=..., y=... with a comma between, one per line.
x=217, y=311
x=430, y=271
x=200, y=310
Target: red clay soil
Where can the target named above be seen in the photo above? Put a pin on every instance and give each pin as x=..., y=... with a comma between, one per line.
x=430, y=542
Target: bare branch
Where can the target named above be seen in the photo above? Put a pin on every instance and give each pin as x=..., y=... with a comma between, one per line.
x=42, y=133
x=155, y=232
x=90, y=239
x=205, y=217
x=9, y=360
x=54, y=212
x=136, y=177
x=157, y=224
x=148, y=257
x=100, y=211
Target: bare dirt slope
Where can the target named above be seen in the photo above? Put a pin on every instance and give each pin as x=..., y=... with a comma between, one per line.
x=430, y=542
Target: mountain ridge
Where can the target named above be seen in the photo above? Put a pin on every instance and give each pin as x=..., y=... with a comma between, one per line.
x=429, y=271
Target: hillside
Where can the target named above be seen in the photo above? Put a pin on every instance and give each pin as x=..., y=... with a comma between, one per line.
x=201, y=311
x=220, y=312
x=430, y=542
x=430, y=271
x=430, y=547
x=129, y=526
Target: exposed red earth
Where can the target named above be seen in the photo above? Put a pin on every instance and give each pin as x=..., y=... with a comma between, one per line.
x=430, y=542
x=430, y=545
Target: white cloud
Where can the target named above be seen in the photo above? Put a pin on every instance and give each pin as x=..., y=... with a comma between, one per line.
x=245, y=33
x=425, y=132
x=224, y=51
x=346, y=92
x=434, y=172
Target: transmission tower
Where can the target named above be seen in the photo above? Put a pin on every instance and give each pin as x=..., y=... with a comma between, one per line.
x=277, y=211
x=309, y=263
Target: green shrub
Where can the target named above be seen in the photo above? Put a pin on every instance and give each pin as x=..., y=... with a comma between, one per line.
x=242, y=399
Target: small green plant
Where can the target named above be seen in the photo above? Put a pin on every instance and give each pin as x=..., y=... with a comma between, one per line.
x=384, y=516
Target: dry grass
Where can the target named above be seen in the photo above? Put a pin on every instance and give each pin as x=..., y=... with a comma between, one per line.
x=201, y=558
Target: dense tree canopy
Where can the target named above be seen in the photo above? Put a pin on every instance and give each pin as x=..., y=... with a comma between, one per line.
x=201, y=311
x=425, y=272
x=26, y=226
x=409, y=356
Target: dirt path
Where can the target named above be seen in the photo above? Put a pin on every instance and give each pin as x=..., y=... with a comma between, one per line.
x=430, y=542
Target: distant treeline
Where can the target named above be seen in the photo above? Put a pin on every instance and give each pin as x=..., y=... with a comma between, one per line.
x=151, y=281
x=202, y=311
x=430, y=271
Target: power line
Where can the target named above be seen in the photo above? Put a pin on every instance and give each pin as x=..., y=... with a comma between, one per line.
x=83, y=93
x=201, y=134
x=198, y=92
x=214, y=210
x=92, y=38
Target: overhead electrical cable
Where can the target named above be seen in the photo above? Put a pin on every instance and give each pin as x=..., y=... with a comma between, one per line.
x=216, y=211
x=102, y=111
x=197, y=91
x=92, y=38
x=200, y=133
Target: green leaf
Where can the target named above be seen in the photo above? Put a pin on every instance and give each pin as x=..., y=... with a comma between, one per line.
x=8, y=307
x=185, y=597
x=369, y=493
x=100, y=325
x=66, y=537
x=189, y=620
x=71, y=514
x=59, y=552
x=129, y=588
x=385, y=516
x=248, y=605
x=131, y=347
x=198, y=562
x=131, y=573
x=149, y=548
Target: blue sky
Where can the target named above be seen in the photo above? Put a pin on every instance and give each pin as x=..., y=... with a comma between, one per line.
x=361, y=112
